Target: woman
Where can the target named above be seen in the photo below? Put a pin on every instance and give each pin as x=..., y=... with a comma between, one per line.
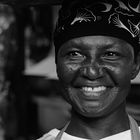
x=97, y=55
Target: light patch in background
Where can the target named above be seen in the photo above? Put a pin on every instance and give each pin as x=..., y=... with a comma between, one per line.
x=137, y=79
x=47, y=66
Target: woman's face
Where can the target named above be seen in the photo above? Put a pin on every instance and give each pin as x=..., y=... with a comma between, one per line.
x=96, y=72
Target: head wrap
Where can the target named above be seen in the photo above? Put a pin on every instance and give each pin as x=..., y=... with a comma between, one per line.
x=116, y=18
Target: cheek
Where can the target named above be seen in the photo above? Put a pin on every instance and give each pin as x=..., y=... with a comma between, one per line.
x=67, y=72
x=120, y=73
x=124, y=76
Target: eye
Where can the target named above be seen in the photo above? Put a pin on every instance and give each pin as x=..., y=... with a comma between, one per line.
x=74, y=54
x=112, y=55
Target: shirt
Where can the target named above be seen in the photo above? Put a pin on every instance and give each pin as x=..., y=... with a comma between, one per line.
x=126, y=135
x=133, y=134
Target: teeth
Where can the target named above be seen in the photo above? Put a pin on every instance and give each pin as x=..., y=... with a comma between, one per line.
x=95, y=89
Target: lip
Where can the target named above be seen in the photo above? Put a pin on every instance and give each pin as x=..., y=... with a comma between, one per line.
x=79, y=85
x=94, y=89
x=93, y=94
x=93, y=84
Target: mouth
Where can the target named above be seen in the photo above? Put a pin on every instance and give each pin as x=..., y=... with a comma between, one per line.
x=93, y=91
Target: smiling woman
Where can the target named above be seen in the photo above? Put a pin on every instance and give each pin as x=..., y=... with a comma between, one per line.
x=96, y=77
x=97, y=56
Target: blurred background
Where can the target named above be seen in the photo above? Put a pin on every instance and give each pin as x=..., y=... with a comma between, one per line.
x=30, y=93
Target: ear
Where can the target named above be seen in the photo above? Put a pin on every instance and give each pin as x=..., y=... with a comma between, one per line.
x=136, y=67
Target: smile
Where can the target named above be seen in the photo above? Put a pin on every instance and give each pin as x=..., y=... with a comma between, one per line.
x=93, y=91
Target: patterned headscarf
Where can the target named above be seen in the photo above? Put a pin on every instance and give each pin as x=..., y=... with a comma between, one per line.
x=116, y=18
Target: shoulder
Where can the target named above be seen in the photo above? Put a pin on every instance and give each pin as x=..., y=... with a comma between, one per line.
x=50, y=135
x=47, y=137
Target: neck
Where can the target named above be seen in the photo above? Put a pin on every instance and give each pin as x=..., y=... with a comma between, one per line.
x=98, y=127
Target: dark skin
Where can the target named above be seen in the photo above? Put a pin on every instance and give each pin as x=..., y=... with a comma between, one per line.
x=96, y=73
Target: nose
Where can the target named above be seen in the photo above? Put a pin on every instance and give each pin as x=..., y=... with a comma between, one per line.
x=91, y=72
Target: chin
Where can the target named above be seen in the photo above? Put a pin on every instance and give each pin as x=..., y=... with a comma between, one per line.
x=91, y=114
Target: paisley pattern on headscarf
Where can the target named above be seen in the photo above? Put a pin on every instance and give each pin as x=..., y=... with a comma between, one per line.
x=117, y=18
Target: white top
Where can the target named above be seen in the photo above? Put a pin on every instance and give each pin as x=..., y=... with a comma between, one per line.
x=126, y=135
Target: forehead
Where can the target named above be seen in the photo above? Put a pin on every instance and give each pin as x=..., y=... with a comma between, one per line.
x=98, y=42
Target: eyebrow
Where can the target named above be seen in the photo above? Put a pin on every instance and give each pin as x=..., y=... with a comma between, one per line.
x=105, y=46
x=114, y=47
